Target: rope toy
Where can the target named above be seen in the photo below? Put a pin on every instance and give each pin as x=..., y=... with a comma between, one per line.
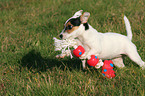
x=65, y=45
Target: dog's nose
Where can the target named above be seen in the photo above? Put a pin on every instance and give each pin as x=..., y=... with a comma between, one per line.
x=61, y=36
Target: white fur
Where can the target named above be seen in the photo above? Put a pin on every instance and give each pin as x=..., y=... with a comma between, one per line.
x=106, y=45
x=128, y=28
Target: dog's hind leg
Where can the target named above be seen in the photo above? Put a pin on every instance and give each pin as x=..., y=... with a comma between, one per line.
x=118, y=62
x=134, y=56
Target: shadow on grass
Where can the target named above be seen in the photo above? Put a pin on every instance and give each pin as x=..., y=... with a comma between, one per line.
x=34, y=61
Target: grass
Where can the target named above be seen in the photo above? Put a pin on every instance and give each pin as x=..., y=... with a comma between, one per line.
x=27, y=58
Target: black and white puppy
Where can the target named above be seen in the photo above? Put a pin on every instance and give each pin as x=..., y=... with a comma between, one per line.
x=103, y=45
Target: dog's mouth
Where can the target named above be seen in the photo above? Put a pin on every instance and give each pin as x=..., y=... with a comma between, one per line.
x=66, y=36
x=61, y=36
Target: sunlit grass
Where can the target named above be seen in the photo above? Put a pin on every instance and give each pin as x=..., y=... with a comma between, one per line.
x=27, y=58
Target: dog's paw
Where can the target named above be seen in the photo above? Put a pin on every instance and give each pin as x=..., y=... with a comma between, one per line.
x=85, y=68
x=60, y=56
x=143, y=67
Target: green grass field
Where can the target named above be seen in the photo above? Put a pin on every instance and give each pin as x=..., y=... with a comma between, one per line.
x=28, y=66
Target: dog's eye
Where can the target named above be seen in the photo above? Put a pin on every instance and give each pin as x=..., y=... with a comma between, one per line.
x=69, y=27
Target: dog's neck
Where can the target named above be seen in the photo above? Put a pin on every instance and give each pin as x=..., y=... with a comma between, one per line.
x=85, y=34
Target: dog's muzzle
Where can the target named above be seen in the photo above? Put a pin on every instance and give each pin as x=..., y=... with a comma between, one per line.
x=60, y=36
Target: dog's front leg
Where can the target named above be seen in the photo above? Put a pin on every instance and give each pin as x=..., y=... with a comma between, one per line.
x=92, y=48
x=84, y=64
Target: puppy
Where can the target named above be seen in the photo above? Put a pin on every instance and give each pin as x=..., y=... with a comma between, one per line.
x=103, y=45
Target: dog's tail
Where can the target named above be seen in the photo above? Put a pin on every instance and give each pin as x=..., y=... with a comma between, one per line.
x=128, y=28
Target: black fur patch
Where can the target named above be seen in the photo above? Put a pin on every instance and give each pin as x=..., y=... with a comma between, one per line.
x=86, y=26
x=75, y=21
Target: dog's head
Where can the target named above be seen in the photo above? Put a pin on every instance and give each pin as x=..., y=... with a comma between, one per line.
x=75, y=25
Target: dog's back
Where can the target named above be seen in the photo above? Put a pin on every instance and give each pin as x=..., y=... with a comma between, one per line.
x=113, y=44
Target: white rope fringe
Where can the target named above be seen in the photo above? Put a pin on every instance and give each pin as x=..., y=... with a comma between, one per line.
x=64, y=46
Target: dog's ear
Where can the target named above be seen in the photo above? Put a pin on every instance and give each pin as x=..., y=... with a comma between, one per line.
x=84, y=18
x=78, y=13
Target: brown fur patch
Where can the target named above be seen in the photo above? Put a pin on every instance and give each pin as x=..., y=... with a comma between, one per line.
x=73, y=28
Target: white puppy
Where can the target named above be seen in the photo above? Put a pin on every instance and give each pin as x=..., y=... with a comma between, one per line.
x=103, y=45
